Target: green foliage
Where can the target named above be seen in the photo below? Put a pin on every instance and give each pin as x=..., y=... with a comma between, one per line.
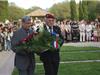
x=3, y=10
x=73, y=10
x=66, y=10
x=98, y=8
x=81, y=15
x=15, y=12
x=85, y=10
x=61, y=10
x=88, y=10
x=91, y=8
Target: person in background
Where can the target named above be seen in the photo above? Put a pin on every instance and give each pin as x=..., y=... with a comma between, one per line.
x=24, y=58
x=68, y=31
x=62, y=27
x=88, y=31
x=98, y=32
x=82, y=31
x=9, y=36
x=95, y=33
x=75, y=31
x=5, y=33
x=1, y=38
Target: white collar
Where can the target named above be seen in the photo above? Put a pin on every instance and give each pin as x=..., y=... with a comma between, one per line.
x=49, y=28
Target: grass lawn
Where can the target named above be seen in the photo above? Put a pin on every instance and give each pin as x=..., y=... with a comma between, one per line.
x=71, y=48
x=79, y=56
x=76, y=56
x=69, y=53
x=72, y=69
x=80, y=69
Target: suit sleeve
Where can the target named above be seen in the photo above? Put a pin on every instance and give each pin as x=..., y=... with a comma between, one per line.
x=60, y=35
x=14, y=41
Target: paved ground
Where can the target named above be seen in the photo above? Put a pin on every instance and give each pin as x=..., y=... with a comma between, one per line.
x=6, y=62
x=7, y=58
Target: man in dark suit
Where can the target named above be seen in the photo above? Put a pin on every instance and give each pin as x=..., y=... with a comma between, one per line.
x=50, y=58
x=24, y=59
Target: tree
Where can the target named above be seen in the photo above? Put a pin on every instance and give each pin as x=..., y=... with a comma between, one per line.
x=61, y=10
x=73, y=10
x=98, y=9
x=85, y=9
x=92, y=10
x=15, y=12
x=81, y=14
x=3, y=10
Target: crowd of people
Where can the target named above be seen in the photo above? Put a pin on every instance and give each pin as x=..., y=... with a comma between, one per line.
x=80, y=31
x=77, y=31
x=6, y=32
x=72, y=31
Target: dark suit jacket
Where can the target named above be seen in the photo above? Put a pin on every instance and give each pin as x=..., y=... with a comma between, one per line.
x=22, y=57
x=52, y=55
x=57, y=30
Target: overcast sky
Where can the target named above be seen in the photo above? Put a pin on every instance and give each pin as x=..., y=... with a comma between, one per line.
x=40, y=3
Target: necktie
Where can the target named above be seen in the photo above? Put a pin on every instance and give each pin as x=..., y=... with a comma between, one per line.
x=50, y=29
